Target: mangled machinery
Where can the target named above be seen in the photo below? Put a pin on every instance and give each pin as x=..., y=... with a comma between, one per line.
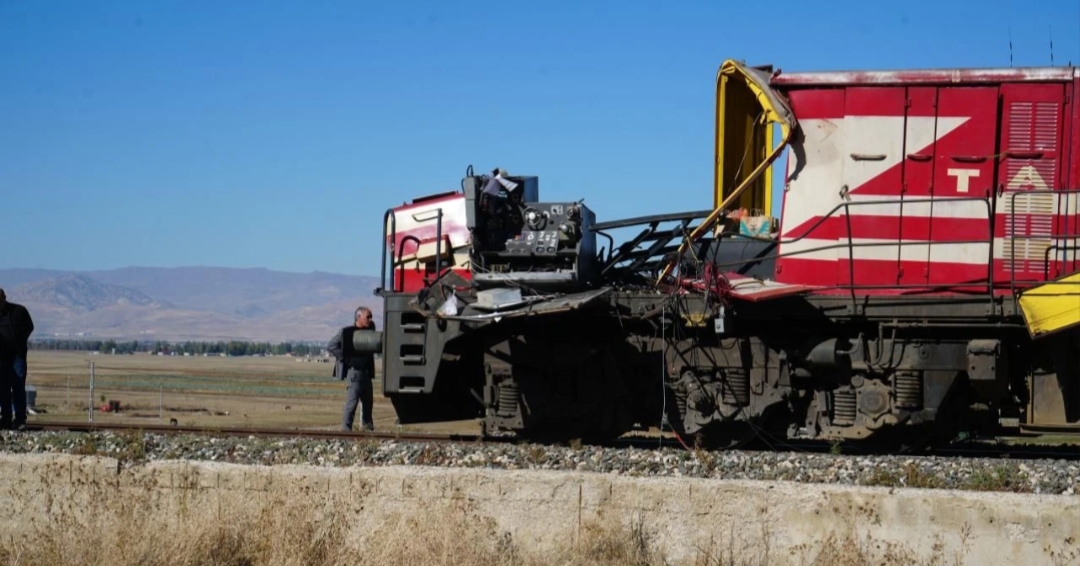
x=923, y=276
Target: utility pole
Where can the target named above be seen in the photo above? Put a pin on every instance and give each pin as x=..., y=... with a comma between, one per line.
x=91, y=392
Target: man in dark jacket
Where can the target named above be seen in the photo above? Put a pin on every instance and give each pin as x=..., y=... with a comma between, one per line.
x=15, y=329
x=359, y=372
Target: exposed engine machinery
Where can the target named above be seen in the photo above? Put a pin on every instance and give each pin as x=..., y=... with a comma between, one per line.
x=923, y=278
x=517, y=240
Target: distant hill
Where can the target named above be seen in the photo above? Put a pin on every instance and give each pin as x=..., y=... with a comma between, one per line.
x=79, y=293
x=190, y=303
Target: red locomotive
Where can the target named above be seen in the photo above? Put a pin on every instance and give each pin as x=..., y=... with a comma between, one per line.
x=923, y=276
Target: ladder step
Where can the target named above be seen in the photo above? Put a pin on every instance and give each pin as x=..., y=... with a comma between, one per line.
x=413, y=327
x=415, y=359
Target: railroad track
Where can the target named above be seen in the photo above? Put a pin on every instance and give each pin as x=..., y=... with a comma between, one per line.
x=969, y=449
x=256, y=432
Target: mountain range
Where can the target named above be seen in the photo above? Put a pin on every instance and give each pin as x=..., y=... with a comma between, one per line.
x=189, y=303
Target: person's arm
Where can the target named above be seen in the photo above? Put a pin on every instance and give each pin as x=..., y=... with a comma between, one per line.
x=29, y=324
x=334, y=347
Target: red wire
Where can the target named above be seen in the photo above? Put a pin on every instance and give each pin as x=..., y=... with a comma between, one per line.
x=679, y=438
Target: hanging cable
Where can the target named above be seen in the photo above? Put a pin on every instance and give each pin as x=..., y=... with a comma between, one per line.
x=663, y=376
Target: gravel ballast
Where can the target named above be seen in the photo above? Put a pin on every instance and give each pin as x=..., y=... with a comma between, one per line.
x=979, y=474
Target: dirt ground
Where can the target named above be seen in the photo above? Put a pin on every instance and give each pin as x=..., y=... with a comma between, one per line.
x=276, y=391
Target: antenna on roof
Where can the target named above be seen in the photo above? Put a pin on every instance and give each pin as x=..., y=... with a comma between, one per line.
x=1051, y=45
x=1010, y=46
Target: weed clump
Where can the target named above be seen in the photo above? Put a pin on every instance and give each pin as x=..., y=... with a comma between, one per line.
x=908, y=476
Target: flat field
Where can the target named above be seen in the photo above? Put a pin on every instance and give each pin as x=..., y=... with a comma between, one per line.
x=278, y=391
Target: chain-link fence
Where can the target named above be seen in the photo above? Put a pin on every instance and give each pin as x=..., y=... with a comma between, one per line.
x=267, y=391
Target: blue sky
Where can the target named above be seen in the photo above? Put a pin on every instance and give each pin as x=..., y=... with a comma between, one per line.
x=275, y=134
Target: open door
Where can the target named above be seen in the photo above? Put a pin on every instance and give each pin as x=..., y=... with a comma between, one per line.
x=747, y=110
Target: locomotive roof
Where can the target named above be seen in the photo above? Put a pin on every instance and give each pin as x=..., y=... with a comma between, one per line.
x=926, y=76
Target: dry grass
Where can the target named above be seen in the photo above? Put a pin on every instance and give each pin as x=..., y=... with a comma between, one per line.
x=91, y=520
x=297, y=532
x=107, y=527
x=101, y=525
x=117, y=530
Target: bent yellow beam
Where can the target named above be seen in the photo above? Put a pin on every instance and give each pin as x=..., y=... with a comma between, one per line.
x=736, y=148
x=1052, y=306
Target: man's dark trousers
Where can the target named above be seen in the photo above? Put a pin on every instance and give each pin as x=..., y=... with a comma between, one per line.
x=12, y=390
x=358, y=392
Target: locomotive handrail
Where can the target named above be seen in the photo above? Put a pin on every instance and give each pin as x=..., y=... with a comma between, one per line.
x=846, y=206
x=401, y=252
x=628, y=253
x=390, y=217
x=627, y=249
x=632, y=251
x=651, y=219
x=438, y=244
x=1055, y=247
x=851, y=286
x=398, y=284
x=1011, y=226
x=659, y=244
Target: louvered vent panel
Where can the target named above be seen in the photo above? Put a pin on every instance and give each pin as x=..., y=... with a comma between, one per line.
x=1033, y=127
x=1031, y=148
x=1029, y=230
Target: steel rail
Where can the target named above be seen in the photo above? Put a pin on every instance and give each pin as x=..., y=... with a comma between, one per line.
x=966, y=449
x=323, y=434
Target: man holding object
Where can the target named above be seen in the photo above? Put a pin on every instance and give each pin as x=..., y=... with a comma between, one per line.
x=359, y=371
